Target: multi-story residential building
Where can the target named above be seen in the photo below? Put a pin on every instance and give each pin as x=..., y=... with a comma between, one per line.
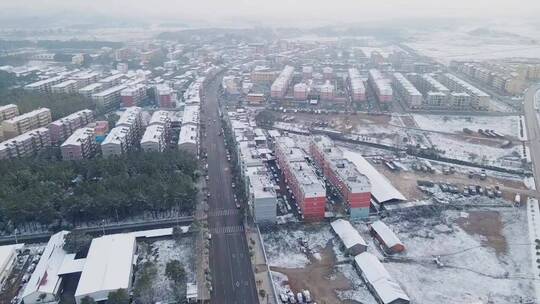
x=327, y=91
x=358, y=90
x=66, y=87
x=459, y=101
x=26, y=144
x=308, y=189
x=91, y=89
x=26, y=122
x=154, y=139
x=381, y=86
x=282, y=82
x=353, y=186
x=261, y=74
x=85, y=78
x=132, y=119
x=80, y=145
x=117, y=142
x=261, y=195
x=45, y=85
x=407, y=91
x=62, y=128
x=8, y=111
x=166, y=98
x=300, y=91
x=479, y=99
x=109, y=98
x=112, y=81
x=133, y=95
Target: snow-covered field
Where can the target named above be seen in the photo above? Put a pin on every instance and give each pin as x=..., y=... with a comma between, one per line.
x=459, y=149
x=283, y=245
x=473, y=272
x=507, y=125
x=164, y=251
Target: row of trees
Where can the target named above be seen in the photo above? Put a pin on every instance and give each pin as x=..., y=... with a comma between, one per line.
x=50, y=191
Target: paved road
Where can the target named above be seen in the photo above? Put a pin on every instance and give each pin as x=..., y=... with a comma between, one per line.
x=533, y=130
x=232, y=275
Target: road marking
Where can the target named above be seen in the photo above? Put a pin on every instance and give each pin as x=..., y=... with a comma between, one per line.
x=223, y=212
x=227, y=229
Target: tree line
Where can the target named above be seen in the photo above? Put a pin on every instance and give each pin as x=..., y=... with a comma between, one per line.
x=48, y=191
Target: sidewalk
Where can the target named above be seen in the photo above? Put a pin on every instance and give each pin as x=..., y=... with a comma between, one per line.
x=202, y=246
x=263, y=276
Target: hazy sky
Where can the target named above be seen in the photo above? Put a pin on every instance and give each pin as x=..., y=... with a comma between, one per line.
x=275, y=11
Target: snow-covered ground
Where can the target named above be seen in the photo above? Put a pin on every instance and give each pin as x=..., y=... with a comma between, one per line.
x=283, y=245
x=459, y=149
x=164, y=251
x=507, y=125
x=473, y=272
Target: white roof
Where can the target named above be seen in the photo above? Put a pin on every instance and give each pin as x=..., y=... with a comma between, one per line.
x=381, y=188
x=28, y=115
x=45, y=277
x=71, y=265
x=117, y=135
x=188, y=134
x=109, y=91
x=6, y=252
x=347, y=233
x=388, y=236
x=108, y=264
x=152, y=134
x=78, y=137
x=375, y=274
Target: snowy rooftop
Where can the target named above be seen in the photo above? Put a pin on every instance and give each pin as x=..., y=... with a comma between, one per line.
x=91, y=87
x=160, y=118
x=109, y=91
x=44, y=82
x=112, y=78
x=118, y=135
x=6, y=252
x=388, y=236
x=108, y=264
x=78, y=136
x=129, y=116
x=381, y=188
x=188, y=134
x=347, y=233
x=64, y=84
x=152, y=134
x=377, y=276
x=406, y=84
x=435, y=84
x=45, y=277
x=191, y=114
x=28, y=115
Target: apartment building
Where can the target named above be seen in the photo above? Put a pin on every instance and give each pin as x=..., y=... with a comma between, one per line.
x=62, y=128
x=353, y=186
x=112, y=81
x=80, y=145
x=66, y=87
x=356, y=84
x=26, y=144
x=91, y=89
x=26, y=122
x=45, y=85
x=381, y=86
x=117, y=142
x=479, y=99
x=308, y=189
x=133, y=95
x=109, y=98
x=132, y=119
x=7, y=112
x=166, y=97
x=154, y=139
x=407, y=91
x=282, y=82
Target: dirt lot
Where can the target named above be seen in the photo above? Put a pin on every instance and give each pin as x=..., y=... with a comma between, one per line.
x=405, y=181
x=487, y=224
x=316, y=278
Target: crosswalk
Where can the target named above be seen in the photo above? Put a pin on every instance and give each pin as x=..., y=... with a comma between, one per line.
x=227, y=229
x=223, y=212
